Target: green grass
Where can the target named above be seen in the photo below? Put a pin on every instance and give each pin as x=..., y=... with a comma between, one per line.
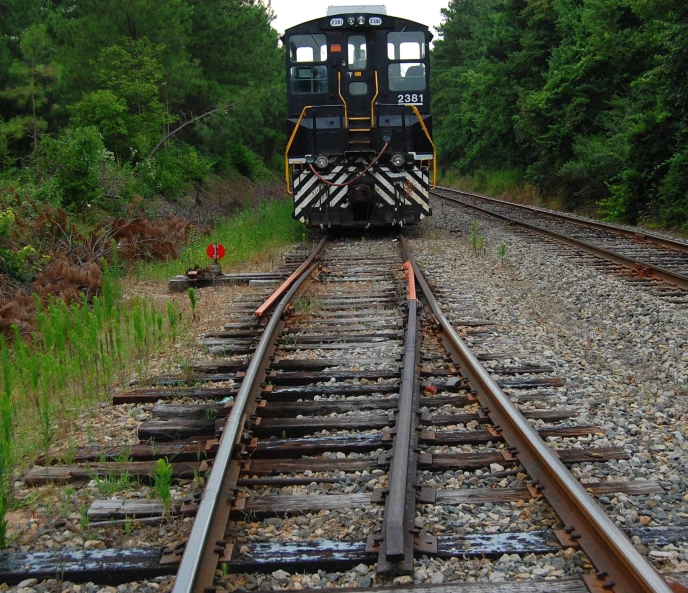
x=76, y=356
x=245, y=235
x=508, y=184
x=162, y=481
x=81, y=351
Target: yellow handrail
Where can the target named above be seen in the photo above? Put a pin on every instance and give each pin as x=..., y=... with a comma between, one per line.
x=434, y=150
x=372, y=103
x=286, y=152
x=346, y=110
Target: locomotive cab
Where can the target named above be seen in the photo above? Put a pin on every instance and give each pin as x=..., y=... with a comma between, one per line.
x=360, y=149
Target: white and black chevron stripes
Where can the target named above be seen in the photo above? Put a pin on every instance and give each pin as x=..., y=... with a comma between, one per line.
x=403, y=187
x=395, y=188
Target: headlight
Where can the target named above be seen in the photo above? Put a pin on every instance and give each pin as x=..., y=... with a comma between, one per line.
x=398, y=160
x=361, y=20
x=351, y=21
x=321, y=162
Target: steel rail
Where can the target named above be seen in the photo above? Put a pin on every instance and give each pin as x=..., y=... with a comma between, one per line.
x=604, y=226
x=396, y=549
x=272, y=299
x=647, y=269
x=196, y=572
x=621, y=568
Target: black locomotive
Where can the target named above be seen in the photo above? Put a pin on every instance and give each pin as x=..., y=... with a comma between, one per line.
x=360, y=150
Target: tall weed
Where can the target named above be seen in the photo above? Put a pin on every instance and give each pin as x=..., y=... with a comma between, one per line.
x=6, y=440
x=77, y=353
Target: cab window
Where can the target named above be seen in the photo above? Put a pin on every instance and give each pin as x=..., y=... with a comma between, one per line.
x=408, y=45
x=407, y=76
x=308, y=80
x=358, y=52
x=305, y=49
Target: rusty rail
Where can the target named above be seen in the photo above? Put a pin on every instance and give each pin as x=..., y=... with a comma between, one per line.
x=647, y=269
x=206, y=545
x=621, y=568
x=272, y=299
x=396, y=547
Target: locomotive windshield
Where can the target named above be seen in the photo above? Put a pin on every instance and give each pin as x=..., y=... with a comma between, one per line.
x=357, y=52
x=307, y=48
x=404, y=48
x=308, y=79
x=403, y=45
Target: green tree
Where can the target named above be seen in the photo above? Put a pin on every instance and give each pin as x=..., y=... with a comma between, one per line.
x=33, y=76
x=127, y=109
x=84, y=29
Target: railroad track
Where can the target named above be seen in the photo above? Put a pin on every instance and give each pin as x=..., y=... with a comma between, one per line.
x=360, y=408
x=642, y=257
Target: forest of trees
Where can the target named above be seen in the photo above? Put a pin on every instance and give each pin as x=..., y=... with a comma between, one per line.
x=586, y=99
x=89, y=89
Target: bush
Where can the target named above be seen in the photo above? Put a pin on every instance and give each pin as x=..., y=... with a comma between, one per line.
x=175, y=169
x=102, y=109
x=68, y=169
x=673, y=193
x=584, y=178
x=246, y=162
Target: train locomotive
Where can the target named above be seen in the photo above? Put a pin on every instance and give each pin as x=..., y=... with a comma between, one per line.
x=360, y=152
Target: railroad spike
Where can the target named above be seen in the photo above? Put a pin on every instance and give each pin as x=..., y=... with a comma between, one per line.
x=608, y=585
x=600, y=575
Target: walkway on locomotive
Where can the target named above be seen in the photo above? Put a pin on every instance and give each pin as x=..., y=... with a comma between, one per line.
x=359, y=118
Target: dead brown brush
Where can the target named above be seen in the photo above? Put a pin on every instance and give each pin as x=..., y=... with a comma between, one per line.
x=68, y=260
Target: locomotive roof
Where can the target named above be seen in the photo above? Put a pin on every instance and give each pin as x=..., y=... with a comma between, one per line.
x=390, y=23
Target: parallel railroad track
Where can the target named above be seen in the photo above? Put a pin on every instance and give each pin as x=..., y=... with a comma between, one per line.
x=356, y=390
x=644, y=257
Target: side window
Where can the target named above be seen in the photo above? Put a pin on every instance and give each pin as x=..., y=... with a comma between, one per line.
x=308, y=80
x=406, y=45
x=305, y=49
x=407, y=76
x=358, y=54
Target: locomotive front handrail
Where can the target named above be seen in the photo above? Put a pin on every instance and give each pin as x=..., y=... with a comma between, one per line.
x=293, y=136
x=291, y=141
x=372, y=103
x=434, y=150
x=346, y=110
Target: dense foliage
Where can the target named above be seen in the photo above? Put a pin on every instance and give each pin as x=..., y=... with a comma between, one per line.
x=587, y=98
x=92, y=93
